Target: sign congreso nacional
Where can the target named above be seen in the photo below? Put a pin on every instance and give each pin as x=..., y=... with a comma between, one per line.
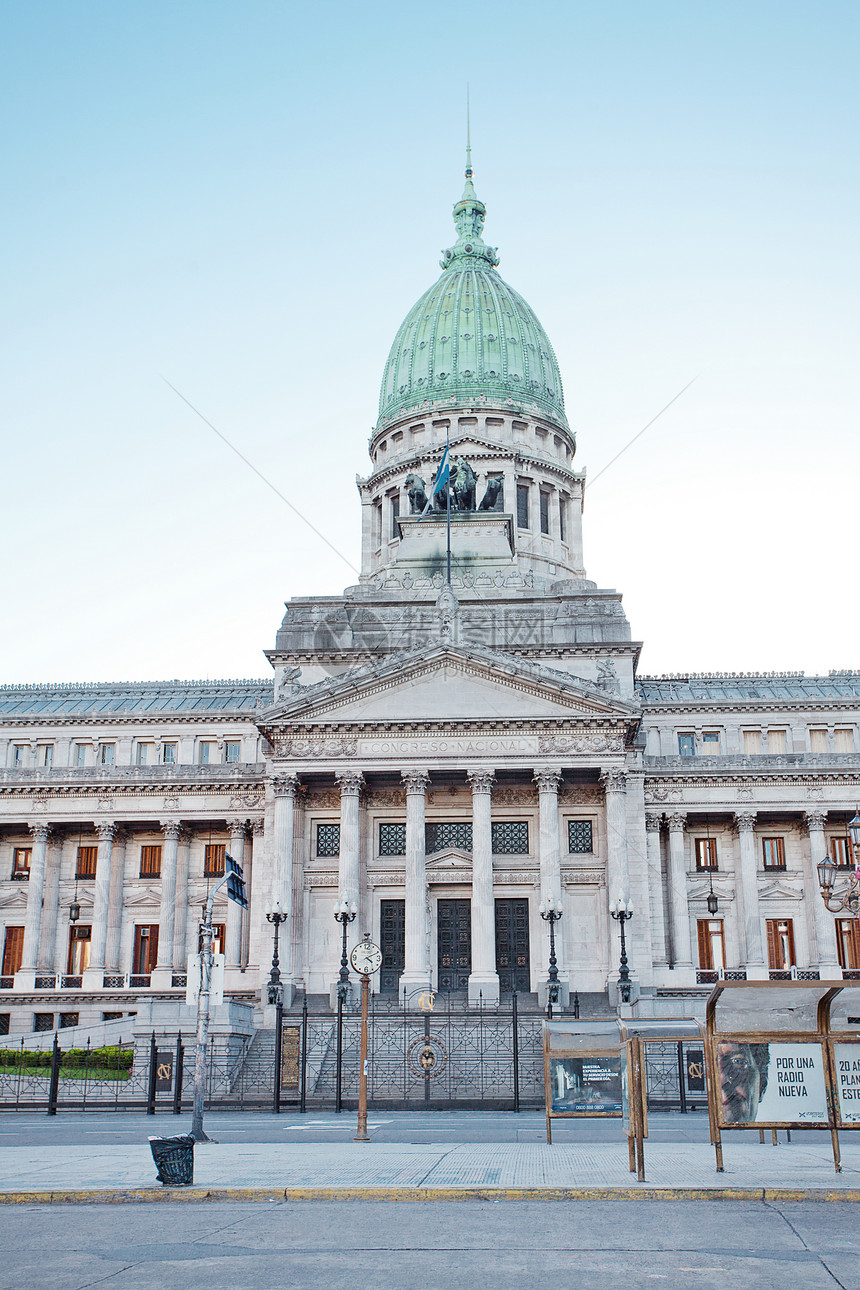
x=457, y=738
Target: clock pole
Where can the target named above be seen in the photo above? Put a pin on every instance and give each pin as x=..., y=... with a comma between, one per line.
x=361, y=1135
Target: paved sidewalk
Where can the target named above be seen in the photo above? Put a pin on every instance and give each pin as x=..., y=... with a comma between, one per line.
x=388, y=1171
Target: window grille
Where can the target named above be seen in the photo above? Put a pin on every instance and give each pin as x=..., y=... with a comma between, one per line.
x=544, y=512
x=392, y=839
x=522, y=506
x=448, y=833
x=510, y=837
x=43, y=1021
x=328, y=839
x=580, y=837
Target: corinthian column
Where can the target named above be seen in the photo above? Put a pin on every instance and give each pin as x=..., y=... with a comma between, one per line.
x=614, y=783
x=284, y=788
x=416, y=973
x=683, y=953
x=94, y=975
x=483, y=979
x=349, y=882
x=233, y=948
x=653, y=820
x=745, y=825
x=548, y=779
x=822, y=932
x=162, y=976
x=33, y=917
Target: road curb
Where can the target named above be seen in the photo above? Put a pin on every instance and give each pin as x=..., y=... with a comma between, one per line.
x=196, y=1195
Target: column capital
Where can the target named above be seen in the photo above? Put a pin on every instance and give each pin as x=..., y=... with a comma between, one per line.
x=653, y=821
x=171, y=829
x=258, y=827
x=350, y=782
x=237, y=828
x=285, y=785
x=416, y=781
x=677, y=821
x=614, y=779
x=107, y=830
x=481, y=780
x=41, y=832
x=814, y=820
x=745, y=821
x=547, y=778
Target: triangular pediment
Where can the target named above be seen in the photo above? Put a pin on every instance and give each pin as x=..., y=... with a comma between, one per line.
x=445, y=683
x=779, y=891
x=450, y=858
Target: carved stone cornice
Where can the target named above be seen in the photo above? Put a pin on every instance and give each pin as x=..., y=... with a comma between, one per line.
x=350, y=782
x=677, y=821
x=614, y=780
x=745, y=821
x=547, y=779
x=285, y=785
x=416, y=781
x=481, y=781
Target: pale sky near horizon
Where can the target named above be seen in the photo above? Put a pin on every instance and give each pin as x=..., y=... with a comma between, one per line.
x=246, y=200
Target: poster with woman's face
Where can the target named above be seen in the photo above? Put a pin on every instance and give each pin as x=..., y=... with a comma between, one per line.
x=770, y=1083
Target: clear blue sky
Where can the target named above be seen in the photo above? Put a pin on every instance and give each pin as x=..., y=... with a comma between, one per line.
x=247, y=198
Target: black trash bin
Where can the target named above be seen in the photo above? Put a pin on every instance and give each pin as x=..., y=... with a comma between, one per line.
x=174, y=1159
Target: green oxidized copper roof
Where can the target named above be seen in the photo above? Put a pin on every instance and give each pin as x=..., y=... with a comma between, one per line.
x=471, y=338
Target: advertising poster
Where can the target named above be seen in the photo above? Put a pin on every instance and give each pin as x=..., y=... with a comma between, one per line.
x=586, y=1085
x=846, y=1059
x=770, y=1083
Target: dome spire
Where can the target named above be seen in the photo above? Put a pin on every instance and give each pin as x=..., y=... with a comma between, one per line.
x=469, y=214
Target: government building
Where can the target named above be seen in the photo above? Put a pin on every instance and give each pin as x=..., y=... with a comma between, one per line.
x=459, y=737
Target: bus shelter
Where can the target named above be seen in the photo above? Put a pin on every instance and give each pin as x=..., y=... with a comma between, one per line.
x=783, y=1055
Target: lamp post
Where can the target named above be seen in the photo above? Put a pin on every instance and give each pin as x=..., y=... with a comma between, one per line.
x=551, y=911
x=275, y=915
x=622, y=912
x=847, y=897
x=344, y=914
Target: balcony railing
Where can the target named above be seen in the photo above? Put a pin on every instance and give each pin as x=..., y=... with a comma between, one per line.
x=6, y=982
x=71, y=982
x=45, y=982
x=710, y=976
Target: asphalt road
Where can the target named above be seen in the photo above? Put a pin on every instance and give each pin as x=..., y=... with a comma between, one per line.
x=441, y=1245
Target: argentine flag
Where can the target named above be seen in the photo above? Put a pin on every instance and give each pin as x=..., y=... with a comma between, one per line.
x=443, y=474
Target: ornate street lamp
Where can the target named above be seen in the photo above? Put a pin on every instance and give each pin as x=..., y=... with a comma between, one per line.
x=275, y=915
x=344, y=914
x=622, y=912
x=551, y=911
x=848, y=896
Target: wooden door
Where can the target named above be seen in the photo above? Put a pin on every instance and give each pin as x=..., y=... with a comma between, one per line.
x=454, y=943
x=392, y=936
x=512, y=945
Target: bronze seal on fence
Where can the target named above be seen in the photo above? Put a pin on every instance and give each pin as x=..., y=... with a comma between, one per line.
x=427, y=1057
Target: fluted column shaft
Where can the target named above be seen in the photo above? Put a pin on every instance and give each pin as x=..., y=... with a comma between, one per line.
x=823, y=928
x=119, y=859
x=683, y=957
x=483, y=972
x=653, y=821
x=614, y=783
x=167, y=914
x=101, y=895
x=35, y=887
x=745, y=824
x=285, y=787
x=349, y=880
x=416, y=965
x=233, y=948
x=548, y=779
x=180, y=925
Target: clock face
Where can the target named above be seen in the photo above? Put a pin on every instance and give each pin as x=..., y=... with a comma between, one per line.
x=366, y=957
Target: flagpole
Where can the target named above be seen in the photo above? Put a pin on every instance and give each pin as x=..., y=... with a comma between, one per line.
x=448, y=494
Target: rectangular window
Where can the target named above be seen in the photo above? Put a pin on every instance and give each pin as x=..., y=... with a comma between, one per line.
x=232, y=750
x=847, y=944
x=562, y=518
x=395, y=516
x=150, y=862
x=712, y=944
x=107, y=754
x=87, y=857
x=219, y=937
x=448, y=833
x=204, y=754
x=142, y=755
x=13, y=947
x=80, y=938
x=328, y=840
x=168, y=754
x=706, y=853
x=213, y=859
x=43, y=1021
x=5, y=1018
x=773, y=853
x=21, y=862
x=19, y=754
x=510, y=837
x=843, y=741
x=377, y=524
x=687, y=745
x=68, y=1019
x=80, y=754
x=752, y=743
x=392, y=839
x=780, y=944
x=46, y=755
x=818, y=741
x=544, y=512
x=710, y=743
x=145, y=955
x=522, y=506
x=580, y=839
x=776, y=741
x=841, y=852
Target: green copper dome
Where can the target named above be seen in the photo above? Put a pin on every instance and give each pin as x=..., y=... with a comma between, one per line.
x=471, y=338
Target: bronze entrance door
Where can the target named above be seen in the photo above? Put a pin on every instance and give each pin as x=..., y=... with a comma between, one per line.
x=392, y=926
x=454, y=943
x=512, y=945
